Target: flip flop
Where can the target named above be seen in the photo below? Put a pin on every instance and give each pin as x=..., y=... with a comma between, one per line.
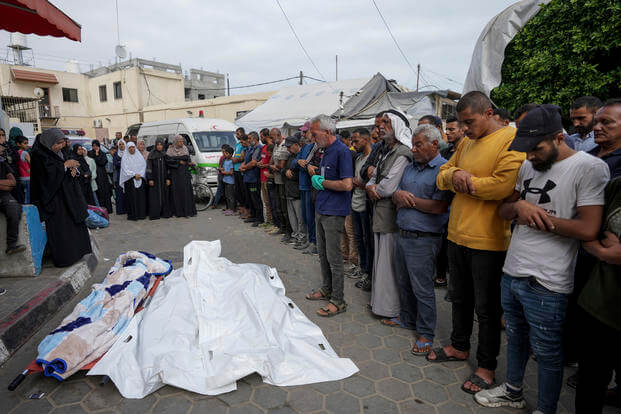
x=479, y=382
x=421, y=345
x=393, y=322
x=442, y=357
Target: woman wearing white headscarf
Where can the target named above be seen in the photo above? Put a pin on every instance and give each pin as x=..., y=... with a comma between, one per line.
x=395, y=132
x=132, y=179
x=118, y=189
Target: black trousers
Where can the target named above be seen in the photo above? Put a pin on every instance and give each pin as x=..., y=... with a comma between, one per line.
x=285, y=225
x=442, y=260
x=13, y=212
x=474, y=286
x=272, y=193
x=240, y=190
x=229, y=194
x=595, y=365
x=256, y=206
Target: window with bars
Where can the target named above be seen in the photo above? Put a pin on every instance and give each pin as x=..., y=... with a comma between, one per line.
x=70, y=95
x=448, y=110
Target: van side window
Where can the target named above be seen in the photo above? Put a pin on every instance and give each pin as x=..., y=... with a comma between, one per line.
x=188, y=144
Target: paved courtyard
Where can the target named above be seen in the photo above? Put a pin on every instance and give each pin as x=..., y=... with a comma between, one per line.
x=391, y=379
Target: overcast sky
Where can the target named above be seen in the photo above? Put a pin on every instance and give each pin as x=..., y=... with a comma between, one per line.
x=250, y=39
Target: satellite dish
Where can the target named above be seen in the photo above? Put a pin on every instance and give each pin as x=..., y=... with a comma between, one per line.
x=120, y=52
x=38, y=92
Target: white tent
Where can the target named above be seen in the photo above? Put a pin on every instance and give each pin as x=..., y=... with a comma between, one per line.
x=294, y=105
x=484, y=73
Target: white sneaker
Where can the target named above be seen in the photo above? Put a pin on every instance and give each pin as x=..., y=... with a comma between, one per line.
x=499, y=397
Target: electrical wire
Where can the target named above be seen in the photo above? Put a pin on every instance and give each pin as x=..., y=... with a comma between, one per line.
x=393, y=38
x=299, y=41
x=253, y=85
x=315, y=79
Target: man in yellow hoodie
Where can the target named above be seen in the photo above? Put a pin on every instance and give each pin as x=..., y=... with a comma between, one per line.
x=481, y=173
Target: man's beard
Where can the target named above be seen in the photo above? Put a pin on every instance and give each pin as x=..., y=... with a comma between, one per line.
x=389, y=138
x=546, y=164
x=583, y=130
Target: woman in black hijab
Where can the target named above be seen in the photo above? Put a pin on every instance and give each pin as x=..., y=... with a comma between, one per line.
x=55, y=190
x=159, y=182
x=181, y=192
x=77, y=153
x=104, y=190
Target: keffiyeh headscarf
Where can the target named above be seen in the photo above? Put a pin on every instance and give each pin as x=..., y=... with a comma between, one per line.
x=132, y=164
x=403, y=134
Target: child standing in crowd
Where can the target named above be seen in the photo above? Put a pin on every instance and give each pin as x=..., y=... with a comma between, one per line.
x=292, y=192
x=23, y=167
x=228, y=181
x=220, y=190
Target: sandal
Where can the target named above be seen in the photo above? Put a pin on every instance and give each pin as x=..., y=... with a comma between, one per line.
x=479, y=382
x=393, y=322
x=313, y=295
x=422, y=345
x=327, y=313
x=442, y=357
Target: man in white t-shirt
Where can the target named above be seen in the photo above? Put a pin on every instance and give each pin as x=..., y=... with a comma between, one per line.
x=557, y=203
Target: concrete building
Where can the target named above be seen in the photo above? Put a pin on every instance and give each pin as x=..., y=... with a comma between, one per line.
x=109, y=99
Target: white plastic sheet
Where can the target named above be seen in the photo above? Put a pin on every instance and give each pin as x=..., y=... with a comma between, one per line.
x=484, y=73
x=214, y=322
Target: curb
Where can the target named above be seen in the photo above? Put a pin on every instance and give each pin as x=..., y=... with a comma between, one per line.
x=19, y=326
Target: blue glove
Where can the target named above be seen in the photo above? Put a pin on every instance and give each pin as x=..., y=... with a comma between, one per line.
x=317, y=181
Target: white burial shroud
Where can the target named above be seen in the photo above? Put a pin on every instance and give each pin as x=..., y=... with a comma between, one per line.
x=214, y=322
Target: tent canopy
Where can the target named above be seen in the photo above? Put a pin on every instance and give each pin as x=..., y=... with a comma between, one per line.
x=484, y=73
x=294, y=105
x=38, y=17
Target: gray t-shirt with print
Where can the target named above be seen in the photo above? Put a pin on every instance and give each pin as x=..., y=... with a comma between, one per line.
x=574, y=182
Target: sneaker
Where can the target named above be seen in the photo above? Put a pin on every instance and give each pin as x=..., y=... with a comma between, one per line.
x=302, y=246
x=356, y=274
x=349, y=267
x=264, y=225
x=15, y=249
x=285, y=239
x=312, y=250
x=364, y=283
x=275, y=231
x=499, y=397
x=228, y=212
x=2, y=291
x=256, y=224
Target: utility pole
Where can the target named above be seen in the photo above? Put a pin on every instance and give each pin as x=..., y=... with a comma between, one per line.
x=337, y=67
x=228, y=86
x=301, y=77
x=417, y=75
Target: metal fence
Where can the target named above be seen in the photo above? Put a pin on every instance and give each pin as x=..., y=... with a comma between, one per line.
x=24, y=109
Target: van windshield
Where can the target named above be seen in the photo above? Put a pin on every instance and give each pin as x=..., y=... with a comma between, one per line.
x=212, y=141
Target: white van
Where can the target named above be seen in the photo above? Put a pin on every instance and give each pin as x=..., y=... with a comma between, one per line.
x=204, y=138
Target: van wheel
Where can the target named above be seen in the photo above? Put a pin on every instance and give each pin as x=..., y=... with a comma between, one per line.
x=203, y=196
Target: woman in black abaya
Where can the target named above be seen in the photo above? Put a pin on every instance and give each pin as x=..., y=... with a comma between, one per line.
x=84, y=179
x=104, y=190
x=159, y=182
x=181, y=193
x=133, y=167
x=55, y=190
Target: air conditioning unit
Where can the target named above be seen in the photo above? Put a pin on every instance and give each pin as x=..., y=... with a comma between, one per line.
x=97, y=123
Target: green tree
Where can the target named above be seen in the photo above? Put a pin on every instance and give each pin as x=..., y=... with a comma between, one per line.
x=571, y=48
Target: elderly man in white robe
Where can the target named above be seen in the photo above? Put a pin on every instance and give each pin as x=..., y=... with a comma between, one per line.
x=395, y=132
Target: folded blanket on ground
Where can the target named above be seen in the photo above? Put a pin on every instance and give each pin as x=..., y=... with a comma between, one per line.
x=98, y=320
x=214, y=322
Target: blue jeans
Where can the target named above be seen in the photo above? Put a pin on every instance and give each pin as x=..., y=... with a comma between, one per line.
x=308, y=213
x=219, y=191
x=25, y=185
x=536, y=313
x=415, y=259
x=364, y=239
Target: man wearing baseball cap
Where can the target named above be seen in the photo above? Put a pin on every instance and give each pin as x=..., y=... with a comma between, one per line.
x=557, y=203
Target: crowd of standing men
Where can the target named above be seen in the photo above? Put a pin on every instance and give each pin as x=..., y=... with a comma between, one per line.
x=524, y=224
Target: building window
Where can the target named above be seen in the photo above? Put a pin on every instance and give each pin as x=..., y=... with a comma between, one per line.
x=201, y=96
x=118, y=93
x=186, y=91
x=103, y=93
x=448, y=110
x=70, y=95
